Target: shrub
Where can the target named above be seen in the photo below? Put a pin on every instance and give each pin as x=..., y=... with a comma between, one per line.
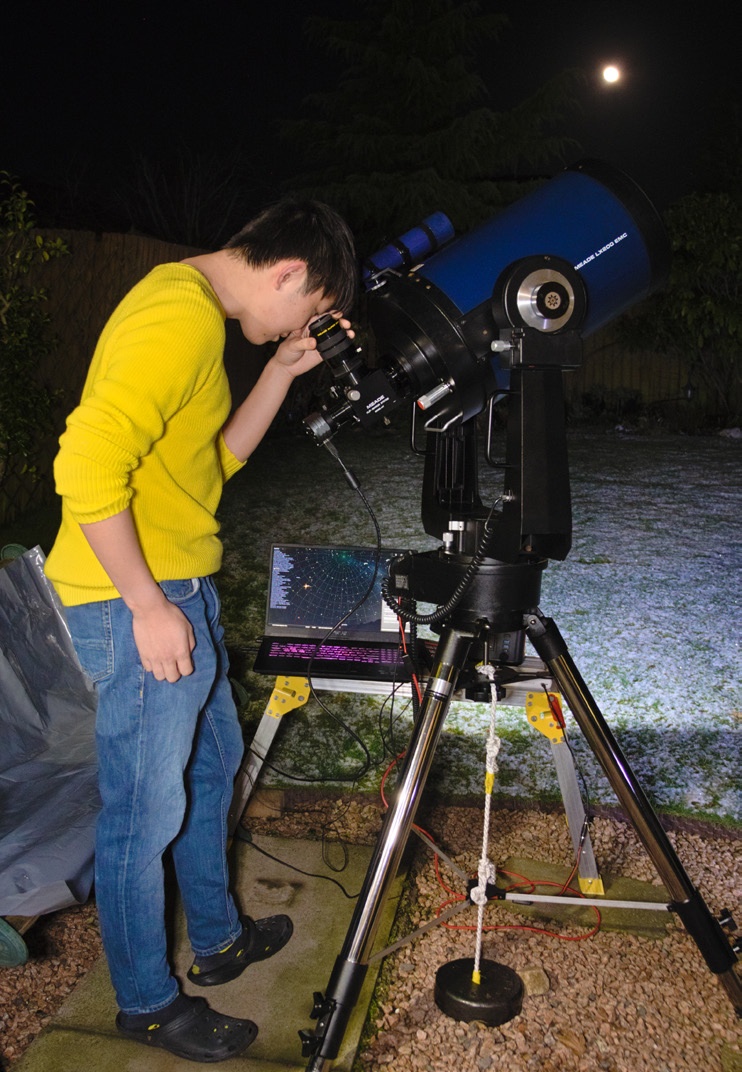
x=26, y=404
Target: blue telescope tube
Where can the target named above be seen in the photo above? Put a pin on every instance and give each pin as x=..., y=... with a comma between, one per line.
x=592, y=215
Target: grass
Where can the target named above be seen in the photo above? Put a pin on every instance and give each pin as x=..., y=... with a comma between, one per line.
x=646, y=602
x=638, y=600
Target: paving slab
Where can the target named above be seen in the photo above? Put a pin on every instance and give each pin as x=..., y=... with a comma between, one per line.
x=276, y=994
x=648, y=923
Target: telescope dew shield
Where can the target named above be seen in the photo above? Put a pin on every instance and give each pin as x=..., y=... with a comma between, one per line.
x=591, y=215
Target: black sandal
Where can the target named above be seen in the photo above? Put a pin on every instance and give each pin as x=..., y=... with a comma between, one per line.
x=196, y=1034
x=259, y=940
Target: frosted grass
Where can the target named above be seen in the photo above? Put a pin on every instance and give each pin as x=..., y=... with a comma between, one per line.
x=648, y=601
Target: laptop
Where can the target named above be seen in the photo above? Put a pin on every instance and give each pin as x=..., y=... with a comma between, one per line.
x=318, y=622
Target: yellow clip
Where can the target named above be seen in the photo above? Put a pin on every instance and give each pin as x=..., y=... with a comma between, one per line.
x=288, y=694
x=541, y=716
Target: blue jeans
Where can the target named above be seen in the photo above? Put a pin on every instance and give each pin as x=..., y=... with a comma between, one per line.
x=168, y=755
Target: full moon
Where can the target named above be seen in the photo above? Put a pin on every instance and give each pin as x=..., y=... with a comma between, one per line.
x=611, y=74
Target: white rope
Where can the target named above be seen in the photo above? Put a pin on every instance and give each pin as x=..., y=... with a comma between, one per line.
x=486, y=872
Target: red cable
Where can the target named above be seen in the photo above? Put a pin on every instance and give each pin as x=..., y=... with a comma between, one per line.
x=556, y=708
x=532, y=885
x=415, y=681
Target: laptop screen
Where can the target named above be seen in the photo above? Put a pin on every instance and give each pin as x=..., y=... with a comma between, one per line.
x=312, y=588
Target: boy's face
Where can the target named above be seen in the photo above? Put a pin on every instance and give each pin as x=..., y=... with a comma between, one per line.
x=282, y=306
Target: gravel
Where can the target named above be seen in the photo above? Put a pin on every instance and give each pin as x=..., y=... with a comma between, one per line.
x=612, y=1002
x=62, y=948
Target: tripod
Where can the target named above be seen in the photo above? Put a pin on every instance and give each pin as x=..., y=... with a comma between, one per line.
x=488, y=601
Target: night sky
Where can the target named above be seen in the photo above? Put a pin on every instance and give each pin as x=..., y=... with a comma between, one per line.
x=85, y=85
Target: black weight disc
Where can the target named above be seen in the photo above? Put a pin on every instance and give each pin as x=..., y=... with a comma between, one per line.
x=497, y=998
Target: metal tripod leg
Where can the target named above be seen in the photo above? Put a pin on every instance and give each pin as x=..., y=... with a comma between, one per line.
x=685, y=899
x=334, y=1009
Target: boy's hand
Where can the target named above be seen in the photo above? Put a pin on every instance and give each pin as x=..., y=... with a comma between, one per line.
x=297, y=354
x=162, y=633
x=298, y=351
x=164, y=639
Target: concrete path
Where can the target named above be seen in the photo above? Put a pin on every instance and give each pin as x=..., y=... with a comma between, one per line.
x=276, y=994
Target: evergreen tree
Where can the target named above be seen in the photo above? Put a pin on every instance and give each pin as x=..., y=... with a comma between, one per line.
x=699, y=314
x=26, y=404
x=408, y=129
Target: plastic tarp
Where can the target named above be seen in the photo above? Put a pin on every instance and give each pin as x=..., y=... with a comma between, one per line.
x=48, y=778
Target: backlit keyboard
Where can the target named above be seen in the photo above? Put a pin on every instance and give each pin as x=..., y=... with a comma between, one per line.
x=381, y=655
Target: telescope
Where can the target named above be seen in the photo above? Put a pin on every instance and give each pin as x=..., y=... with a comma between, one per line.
x=558, y=264
x=498, y=314
x=460, y=325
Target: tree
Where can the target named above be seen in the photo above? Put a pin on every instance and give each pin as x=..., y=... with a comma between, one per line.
x=26, y=405
x=408, y=128
x=699, y=315
x=192, y=198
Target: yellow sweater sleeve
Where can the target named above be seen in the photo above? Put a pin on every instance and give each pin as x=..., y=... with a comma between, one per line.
x=155, y=354
x=147, y=435
x=229, y=463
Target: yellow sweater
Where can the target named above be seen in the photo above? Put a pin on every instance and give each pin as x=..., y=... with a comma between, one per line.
x=147, y=435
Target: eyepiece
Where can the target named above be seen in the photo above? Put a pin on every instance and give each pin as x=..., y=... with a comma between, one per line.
x=338, y=351
x=358, y=393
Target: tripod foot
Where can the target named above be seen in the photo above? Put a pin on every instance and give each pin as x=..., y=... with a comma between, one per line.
x=495, y=999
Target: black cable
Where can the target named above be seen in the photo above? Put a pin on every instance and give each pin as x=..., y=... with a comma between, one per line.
x=355, y=485
x=389, y=749
x=413, y=650
x=340, y=843
x=444, y=610
x=245, y=837
x=368, y=761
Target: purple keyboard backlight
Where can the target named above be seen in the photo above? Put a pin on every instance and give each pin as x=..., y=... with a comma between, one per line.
x=336, y=653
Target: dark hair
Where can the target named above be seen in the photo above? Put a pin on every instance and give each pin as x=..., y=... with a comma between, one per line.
x=307, y=230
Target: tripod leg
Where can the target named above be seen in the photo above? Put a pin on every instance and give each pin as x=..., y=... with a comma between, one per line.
x=685, y=898
x=334, y=1010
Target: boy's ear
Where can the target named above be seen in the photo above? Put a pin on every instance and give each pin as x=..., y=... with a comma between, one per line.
x=288, y=273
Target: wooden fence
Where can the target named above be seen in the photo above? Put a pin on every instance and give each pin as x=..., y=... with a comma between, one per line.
x=83, y=288
x=87, y=284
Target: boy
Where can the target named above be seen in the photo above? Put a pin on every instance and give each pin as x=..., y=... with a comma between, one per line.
x=140, y=470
